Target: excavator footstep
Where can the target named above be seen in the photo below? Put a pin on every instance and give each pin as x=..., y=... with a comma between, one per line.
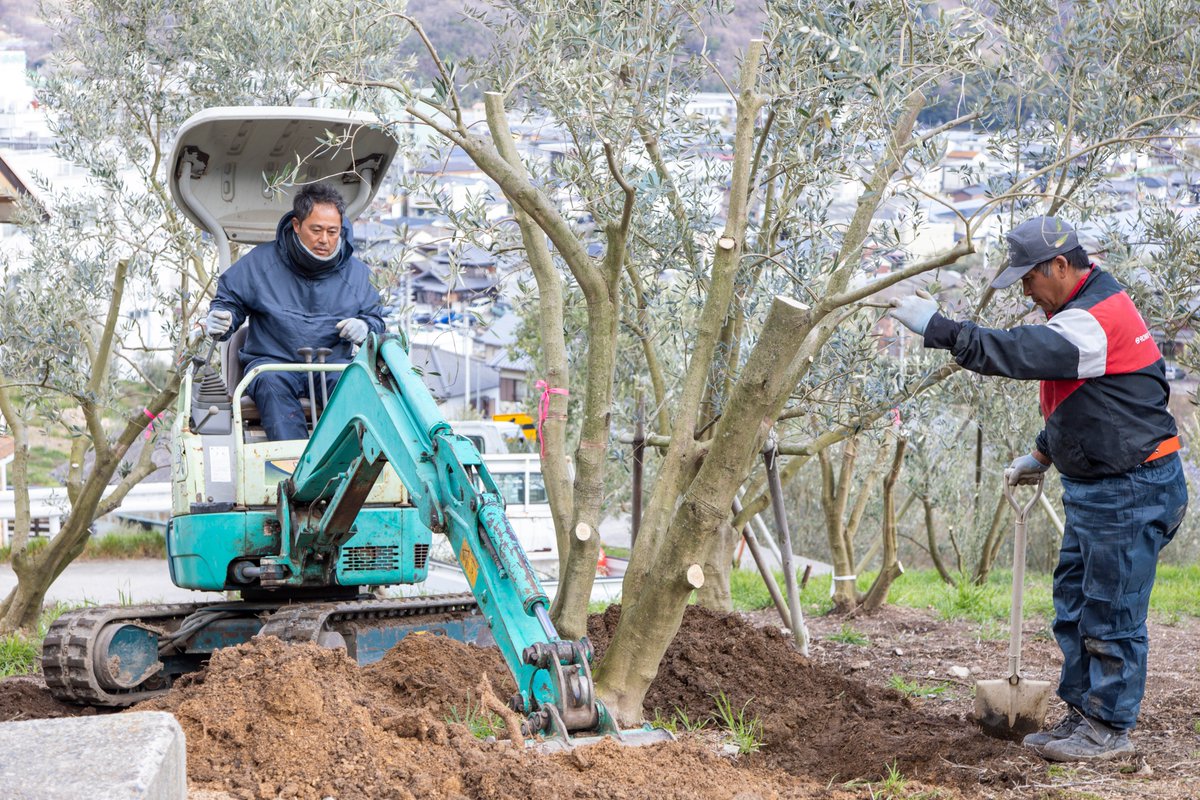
x=638, y=737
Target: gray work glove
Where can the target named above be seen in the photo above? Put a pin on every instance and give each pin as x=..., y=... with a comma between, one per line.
x=217, y=323
x=914, y=311
x=1024, y=470
x=353, y=329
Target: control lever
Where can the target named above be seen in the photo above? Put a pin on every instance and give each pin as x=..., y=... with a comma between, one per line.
x=322, y=354
x=307, y=354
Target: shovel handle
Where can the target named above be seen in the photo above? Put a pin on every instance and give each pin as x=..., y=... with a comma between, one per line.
x=1022, y=510
x=1018, y=582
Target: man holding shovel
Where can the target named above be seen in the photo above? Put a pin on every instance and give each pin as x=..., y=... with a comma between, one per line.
x=1110, y=436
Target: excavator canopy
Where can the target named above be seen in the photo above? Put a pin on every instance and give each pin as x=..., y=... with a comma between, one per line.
x=236, y=168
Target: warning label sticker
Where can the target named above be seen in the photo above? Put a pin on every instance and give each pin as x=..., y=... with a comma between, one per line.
x=469, y=565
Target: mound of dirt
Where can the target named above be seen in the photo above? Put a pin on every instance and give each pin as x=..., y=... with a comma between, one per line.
x=266, y=720
x=816, y=721
x=437, y=674
x=27, y=697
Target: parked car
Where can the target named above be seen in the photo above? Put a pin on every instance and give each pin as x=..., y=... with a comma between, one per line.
x=1174, y=373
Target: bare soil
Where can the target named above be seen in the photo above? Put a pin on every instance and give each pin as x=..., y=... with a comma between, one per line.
x=269, y=721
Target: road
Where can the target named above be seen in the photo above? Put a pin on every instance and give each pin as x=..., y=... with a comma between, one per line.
x=143, y=580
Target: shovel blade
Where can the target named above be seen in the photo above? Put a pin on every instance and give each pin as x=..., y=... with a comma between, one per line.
x=1007, y=709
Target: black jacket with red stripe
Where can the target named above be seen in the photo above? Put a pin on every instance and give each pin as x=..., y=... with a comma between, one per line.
x=1104, y=386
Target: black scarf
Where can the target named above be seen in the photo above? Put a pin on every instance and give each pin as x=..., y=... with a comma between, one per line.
x=304, y=262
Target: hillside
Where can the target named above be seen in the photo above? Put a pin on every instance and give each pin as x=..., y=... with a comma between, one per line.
x=457, y=36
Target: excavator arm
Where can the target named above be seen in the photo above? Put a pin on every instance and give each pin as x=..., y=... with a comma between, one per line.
x=381, y=413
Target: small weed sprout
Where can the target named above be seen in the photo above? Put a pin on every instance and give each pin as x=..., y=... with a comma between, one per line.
x=916, y=688
x=480, y=722
x=848, y=635
x=745, y=732
x=679, y=721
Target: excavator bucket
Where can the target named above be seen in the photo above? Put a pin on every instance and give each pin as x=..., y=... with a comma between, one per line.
x=636, y=737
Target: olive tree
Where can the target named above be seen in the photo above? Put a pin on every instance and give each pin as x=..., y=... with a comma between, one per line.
x=731, y=257
x=123, y=75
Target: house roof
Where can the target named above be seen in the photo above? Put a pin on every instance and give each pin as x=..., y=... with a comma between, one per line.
x=7, y=447
x=14, y=189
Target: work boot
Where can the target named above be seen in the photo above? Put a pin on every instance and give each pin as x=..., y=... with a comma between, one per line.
x=1092, y=740
x=1065, y=727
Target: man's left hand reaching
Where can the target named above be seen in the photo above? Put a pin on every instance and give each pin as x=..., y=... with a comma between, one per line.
x=353, y=329
x=914, y=311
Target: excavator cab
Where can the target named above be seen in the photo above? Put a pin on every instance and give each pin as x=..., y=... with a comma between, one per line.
x=226, y=164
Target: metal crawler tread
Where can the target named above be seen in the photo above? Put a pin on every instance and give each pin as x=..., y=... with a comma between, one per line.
x=304, y=623
x=67, y=651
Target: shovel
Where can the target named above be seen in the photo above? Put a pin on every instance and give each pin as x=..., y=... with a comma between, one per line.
x=1014, y=706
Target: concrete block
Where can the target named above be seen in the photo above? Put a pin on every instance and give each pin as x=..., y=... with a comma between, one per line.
x=111, y=757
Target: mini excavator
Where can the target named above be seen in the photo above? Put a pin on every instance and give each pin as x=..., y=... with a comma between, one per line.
x=299, y=529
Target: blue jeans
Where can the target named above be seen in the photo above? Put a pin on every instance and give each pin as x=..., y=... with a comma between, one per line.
x=277, y=395
x=1115, y=528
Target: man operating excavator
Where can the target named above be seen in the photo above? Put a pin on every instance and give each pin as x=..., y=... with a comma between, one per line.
x=305, y=289
x=1113, y=441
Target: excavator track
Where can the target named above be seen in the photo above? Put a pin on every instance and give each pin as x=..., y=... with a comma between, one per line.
x=68, y=656
x=306, y=623
x=69, y=651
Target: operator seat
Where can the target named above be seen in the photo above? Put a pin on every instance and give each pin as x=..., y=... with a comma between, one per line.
x=234, y=373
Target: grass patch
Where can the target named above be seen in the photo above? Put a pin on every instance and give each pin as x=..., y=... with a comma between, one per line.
x=616, y=552
x=746, y=733
x=679, y=721
x=42, y=462
x=1175, y=591
x=967, y=601
x=18, y=654
x=20, y=650
x=749, y=593
x=599, y=606
x=478, y=720
x=120, y=544
x=916, y=688
x=848, y=635
x=127, y=543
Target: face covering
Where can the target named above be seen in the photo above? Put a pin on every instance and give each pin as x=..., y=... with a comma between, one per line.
x=305, y=261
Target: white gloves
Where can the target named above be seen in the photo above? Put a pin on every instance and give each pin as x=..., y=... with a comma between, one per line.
x=353, y=329
x=217, y=323
x=1024, y=470
x=914, y=311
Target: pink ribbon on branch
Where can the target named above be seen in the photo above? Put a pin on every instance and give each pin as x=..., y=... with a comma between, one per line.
x=544, y=409
x=150, y=426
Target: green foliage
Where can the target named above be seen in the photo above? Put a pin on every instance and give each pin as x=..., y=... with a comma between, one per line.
x=598, y=606
x=18, y=654
x=20, y=650
x=120, y=544
x=966, y=600
x=916, y=688
x=678, y=720
x=848, y=635
x=749, y=593
x=1176, y=588
x=127, y=544
x=743, y=730
x=34, y=546
x=478, y=720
